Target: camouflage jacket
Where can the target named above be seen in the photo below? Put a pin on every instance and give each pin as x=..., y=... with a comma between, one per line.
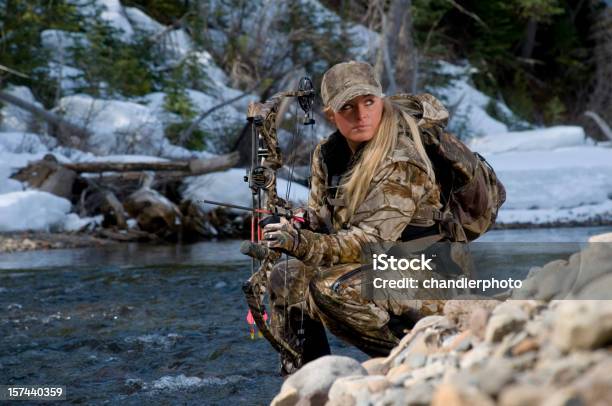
x=398, y=192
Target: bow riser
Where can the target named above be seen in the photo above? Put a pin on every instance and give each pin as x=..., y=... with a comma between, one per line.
x=262, y=178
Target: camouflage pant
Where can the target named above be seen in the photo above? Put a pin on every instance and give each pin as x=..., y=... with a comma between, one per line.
x=306, y=299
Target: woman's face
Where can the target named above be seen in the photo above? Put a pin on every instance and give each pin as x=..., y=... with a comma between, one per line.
x=358, y=119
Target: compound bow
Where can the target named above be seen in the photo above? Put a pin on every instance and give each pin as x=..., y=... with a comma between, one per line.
x=266, y=159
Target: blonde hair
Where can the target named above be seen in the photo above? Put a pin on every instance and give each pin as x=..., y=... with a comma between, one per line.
x=394, y=120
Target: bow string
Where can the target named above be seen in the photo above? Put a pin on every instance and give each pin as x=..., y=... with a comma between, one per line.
x=266, y=160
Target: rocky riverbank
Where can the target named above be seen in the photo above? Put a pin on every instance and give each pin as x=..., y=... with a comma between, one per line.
x=554, y=349
x=216, y=224
x=16, y=242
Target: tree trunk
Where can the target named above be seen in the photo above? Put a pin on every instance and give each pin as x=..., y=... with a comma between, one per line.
x=530, y=36
x=400, y=46
x=600, y=100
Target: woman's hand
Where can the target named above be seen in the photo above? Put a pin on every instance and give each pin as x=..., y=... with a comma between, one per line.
x=282, y=236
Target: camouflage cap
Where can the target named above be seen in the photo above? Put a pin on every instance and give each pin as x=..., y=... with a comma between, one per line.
x=347, y=80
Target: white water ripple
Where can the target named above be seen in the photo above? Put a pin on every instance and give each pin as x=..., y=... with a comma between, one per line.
x=172, y=383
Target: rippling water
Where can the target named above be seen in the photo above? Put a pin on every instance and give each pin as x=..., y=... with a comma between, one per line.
x=134, y=324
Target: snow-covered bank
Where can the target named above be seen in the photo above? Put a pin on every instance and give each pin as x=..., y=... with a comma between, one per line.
x=229, y=187
x=552, y=176
x=32, y=210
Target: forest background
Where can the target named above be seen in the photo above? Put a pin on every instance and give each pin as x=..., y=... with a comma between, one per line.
x=548, y=60
x=527, y=84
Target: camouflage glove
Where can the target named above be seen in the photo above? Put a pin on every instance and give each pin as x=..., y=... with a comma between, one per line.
x=283, y=236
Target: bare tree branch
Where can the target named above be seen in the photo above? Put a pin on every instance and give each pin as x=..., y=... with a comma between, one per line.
x=468, y=13
x=186, y=134
x=67, y=130
x=603, y=126
x=13, y=71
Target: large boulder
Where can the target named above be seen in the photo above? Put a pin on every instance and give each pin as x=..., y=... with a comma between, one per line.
x=310, y=385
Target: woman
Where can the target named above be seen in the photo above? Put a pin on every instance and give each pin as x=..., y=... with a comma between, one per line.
x=371, y=181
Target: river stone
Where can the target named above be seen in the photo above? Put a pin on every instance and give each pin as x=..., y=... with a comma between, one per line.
x=549, y=282
x=415, y=353
x=523, y=395
x=494, y=376
x=594, y=386
x=606, y=237
x=595, y=262
x=313, y=380
x=287, y=397
x=392, y=396
x=478, y=322
x=359, y=388
x=563, y=397
x=429, y=371
x=428, y=321
x=584, y=324
x=598, y=289
x=563, y=370
x=459, y=342
x=450, y=394
x=419, y=394
x=526, y=345
x=376, y=366
x=504, y=348
x=506, y=318
x=416, y=360
x=460, y=311
x=476, y=356
x=398, y=371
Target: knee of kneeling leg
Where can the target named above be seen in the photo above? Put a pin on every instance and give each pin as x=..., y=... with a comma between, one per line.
x=286, y=277
x=319, y=293
x=277, y=281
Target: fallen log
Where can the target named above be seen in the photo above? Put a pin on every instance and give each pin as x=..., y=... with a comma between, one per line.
x=154, y=213
x=48, y=175
x=191, y=167
x=113, y=211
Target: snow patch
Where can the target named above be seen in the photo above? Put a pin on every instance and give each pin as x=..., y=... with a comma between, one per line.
x=587, y=213
x=470, y=117
x=73, y=222
x=547, y=138
x=229, y=187
x=69, y=78
x=142, y=21
x=12, y=118
x=555, y=185
x=22, y=142
x=32, y=210
x=117, y=127
x=59, y=43
x=8, y=185
x=114, y=14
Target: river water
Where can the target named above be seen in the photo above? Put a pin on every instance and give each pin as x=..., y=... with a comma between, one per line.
x=134, y=324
